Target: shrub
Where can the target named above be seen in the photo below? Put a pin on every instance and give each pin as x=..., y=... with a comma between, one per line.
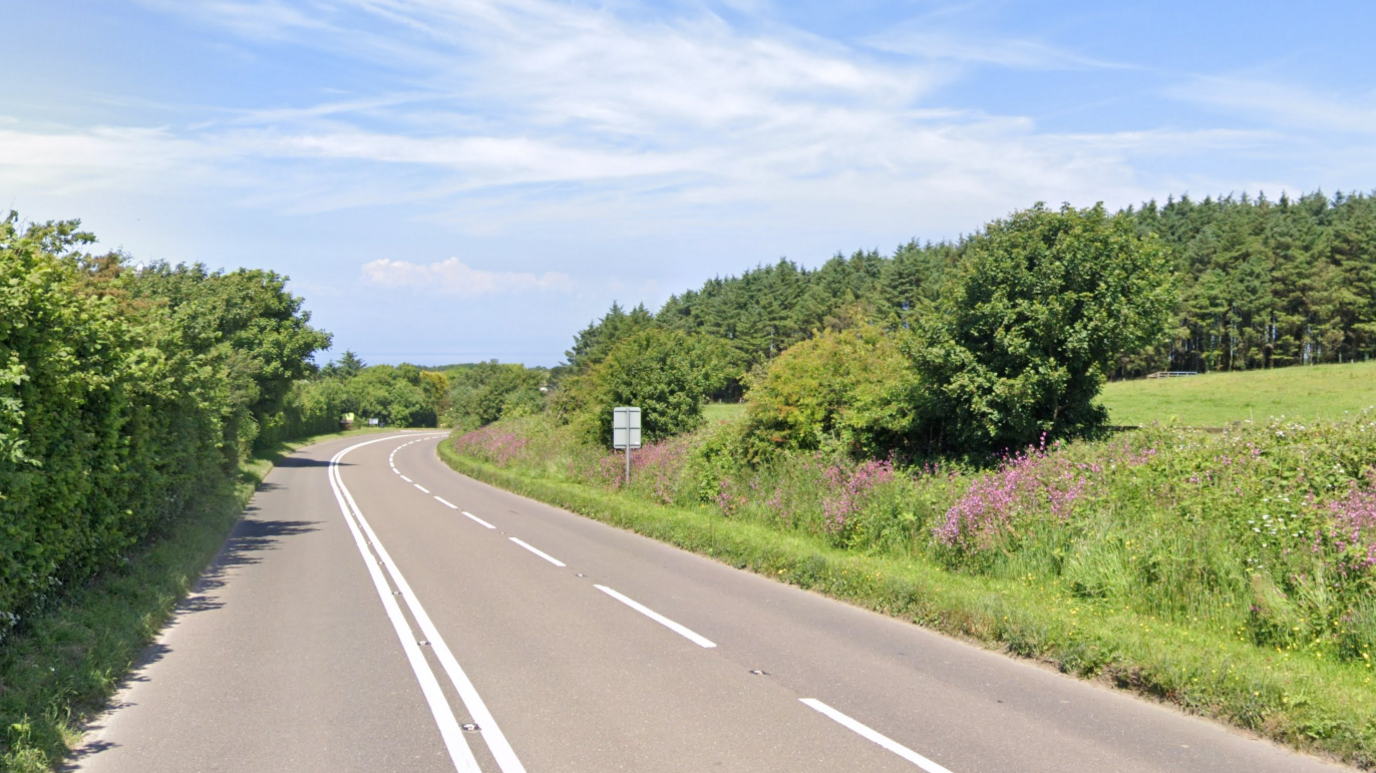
x=1044, y=304
x=120, y=406
x=840, y=388
x=666, y=373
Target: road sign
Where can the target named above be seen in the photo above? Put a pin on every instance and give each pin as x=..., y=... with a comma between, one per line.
x=626, y=434
x=625, y=428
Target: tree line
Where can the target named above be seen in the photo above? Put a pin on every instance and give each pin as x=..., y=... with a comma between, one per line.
x=1258, y=284
x=967, y=348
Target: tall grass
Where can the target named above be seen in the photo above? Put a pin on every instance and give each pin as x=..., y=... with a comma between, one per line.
x=1261, y=539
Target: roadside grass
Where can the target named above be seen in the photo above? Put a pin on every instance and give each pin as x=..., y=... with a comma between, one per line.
x=65, y=662
x=722, y=411
x=1303, y=393
x=1204, y=570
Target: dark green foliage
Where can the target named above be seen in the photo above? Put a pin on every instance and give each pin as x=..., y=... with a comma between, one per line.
x=591, y=346
x=768, y=309
x=348, y=366
x=481, y=394
x=1266, y=284
x=392, y=394
x=398, y=396
x=125, y=397
x=1007, y=351
x=1259, y=283
x=666, y=373
x=246, y=321
x=1044, y=303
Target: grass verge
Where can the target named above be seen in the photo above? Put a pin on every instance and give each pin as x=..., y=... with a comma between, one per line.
x=1306, y=702
x=67, y=661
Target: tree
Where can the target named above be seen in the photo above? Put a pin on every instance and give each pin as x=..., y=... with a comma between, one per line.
x=348, y=366
x=393, y=394
x=666, y=373
x=248, y=320
x=1044, y=304
x=591, y=345
x=484, y=393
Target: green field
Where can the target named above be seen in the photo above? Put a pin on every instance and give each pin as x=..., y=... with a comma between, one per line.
x=722, y=411
x=1217, y=399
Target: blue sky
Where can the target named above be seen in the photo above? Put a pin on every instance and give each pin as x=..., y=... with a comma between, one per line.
x=453, y=180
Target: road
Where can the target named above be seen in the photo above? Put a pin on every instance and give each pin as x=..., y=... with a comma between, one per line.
x=375, y=611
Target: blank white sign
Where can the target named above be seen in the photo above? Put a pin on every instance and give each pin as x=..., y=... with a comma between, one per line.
x=625, y=425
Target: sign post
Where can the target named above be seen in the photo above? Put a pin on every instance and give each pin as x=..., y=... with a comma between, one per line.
x=626, y=433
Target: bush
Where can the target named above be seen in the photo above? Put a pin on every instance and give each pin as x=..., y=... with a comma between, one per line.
x=843, y=389
x=125, y=396
x=1044, y=304
x=483, y=393
x=666, y=373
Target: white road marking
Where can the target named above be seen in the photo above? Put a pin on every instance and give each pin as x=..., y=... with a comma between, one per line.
x=408, y=480
x=479, y=520
x=496, y=741
x=538, y=552
x=422, y=488
x=681, y=630
x=447, y=504
x=396, y=470
x=876, y=736
x=459, y=752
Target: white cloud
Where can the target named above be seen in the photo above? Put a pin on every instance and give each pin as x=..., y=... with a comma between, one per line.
x=593, y=121
x=454, y=277
x=924, y=43
x=1282, y=104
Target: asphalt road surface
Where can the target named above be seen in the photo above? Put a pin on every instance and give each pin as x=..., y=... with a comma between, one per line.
x=375, y=611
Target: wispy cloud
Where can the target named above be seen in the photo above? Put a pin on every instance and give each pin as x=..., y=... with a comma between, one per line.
x=1023, y=54
x=1282, y=104
x=507, y=112
x=260, y=19
x=454, y=277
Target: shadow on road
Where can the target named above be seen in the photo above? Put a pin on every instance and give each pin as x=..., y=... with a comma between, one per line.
x=251, y=537
x=303, y=461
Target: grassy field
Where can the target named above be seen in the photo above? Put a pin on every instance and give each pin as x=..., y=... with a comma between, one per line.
x=1217, y=399
x=722, y=411
x=64, y=664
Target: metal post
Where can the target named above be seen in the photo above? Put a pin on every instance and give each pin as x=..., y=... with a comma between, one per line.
x=628, y=459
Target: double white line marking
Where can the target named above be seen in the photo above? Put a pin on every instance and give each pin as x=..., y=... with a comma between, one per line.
x=457, y=746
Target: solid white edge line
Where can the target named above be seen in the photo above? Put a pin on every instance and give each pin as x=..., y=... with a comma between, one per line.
x=408, y=480
x=479, y=520
x=422, y=488
x=875, y=736
x=681, y=630
x=496, y=741
x=450, y=732
x=538, y=552
x=446, y=503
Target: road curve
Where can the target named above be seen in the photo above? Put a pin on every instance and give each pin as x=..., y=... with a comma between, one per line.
x=375, y=611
